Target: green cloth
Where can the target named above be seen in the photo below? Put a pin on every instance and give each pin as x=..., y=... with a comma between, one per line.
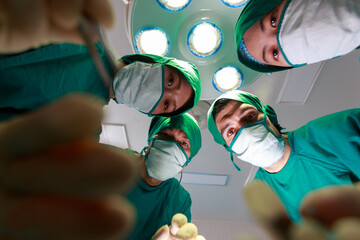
x=36, y=77
x=240, y=96
x=325, y=151
x=183, y=122
x=157, y=205
x=253, y=12
x=188, y=69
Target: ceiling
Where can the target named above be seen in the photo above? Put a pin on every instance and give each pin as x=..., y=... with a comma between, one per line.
x=336, y=88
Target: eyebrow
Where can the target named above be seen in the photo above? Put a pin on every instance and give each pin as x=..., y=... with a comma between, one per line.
x=264, y=55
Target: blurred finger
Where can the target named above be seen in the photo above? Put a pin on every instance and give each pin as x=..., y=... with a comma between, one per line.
x=99, y=11
x=347, y=229
x=267, y=209
x=177, y=221
x=71, y=118
x=65, y=14
x=162, y=233
x=187, y=231
x=50, y=217
x=329, y=204
x=308, y=230
x=82, y=168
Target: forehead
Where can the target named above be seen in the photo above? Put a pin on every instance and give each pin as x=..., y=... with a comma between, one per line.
x=175, y=132
x=227, y=109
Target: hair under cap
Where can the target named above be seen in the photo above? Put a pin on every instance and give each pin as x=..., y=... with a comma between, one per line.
x=244, y=97
x=188, y=69
x=183, y=122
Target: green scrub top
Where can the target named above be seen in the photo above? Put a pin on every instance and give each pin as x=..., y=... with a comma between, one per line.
x=324, y=152
x=31, y=79
x=156, y=206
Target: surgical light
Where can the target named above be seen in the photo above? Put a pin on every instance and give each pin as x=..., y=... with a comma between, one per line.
x=234, y=3
x=152, y=40
x=174, y=5
x=204, y=39
x=227, y=78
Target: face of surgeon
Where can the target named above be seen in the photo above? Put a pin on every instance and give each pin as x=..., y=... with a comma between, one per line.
x=177, y=92
x=176, y=135
x=260, y=38
x=235, y=115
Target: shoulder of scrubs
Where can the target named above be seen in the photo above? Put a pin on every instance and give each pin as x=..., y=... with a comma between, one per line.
x=39, y=76
x=188, y=69
x=253, y=12
x=323, y=152
x=184, y=122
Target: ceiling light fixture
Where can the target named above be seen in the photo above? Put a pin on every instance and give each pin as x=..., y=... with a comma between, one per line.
x=174, y=5
x=234, y=3
x=152, y=40
x=227, y=78
x=204, y=39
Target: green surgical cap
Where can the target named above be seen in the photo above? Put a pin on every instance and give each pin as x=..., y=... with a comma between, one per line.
x=188, y=69
x=253, y=12
x=183, y=122
x=244, y=97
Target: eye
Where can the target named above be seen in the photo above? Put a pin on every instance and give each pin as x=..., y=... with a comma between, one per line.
x=166, y=105
x=273, y=21
x=185, y=144
x=231, y=132
x=171, y=80
x=275, y=53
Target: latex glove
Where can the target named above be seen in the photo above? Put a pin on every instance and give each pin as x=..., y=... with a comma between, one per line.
x=26, y=24
x=179, y=229
x=328, y=212
x=56, y=181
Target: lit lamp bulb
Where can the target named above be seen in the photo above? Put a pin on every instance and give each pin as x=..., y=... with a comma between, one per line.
x=234, y=3
x=227, y=78
x=204, y=39
x=174, y=5
x=152, y=41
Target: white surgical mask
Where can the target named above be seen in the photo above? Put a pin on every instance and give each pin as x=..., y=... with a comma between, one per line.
x=165, y=159
x=256, y=144
x=139, y=85
x=314, y=30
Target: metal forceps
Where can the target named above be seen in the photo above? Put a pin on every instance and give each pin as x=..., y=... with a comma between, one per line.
x=89, y=29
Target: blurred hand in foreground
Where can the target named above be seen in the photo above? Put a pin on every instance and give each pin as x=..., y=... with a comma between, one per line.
x=26, y=24
x=57, y=181
x=327, y=213
x=179, y=229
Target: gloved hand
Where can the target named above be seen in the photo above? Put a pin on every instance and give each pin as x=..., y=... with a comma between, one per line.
x=179, y=229
x=57, y=181
x=26, y=24
x=328, y=212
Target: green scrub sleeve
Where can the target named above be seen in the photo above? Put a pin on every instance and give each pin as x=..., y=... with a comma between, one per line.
x=183, y=122
x=189, y=71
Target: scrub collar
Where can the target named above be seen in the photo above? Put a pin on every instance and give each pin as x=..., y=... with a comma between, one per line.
x=188, y=70
x=184, y=122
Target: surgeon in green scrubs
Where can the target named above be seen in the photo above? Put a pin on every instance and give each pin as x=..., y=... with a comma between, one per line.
x=275, y=35
x=153, y=85
x=158, y=196
x=323, y=152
